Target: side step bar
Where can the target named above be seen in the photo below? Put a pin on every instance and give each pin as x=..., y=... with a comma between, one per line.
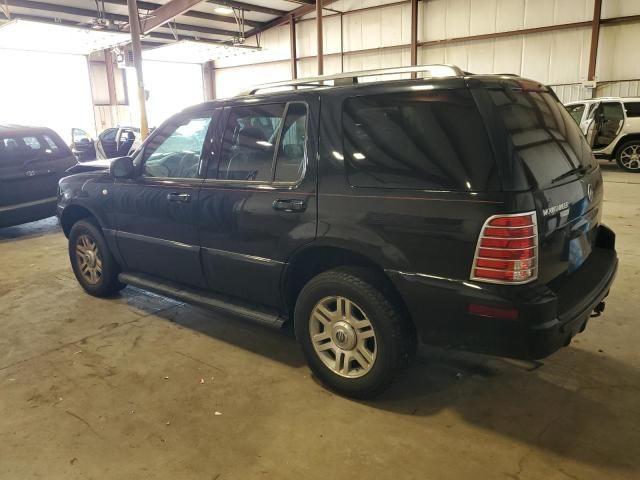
x=201, y=298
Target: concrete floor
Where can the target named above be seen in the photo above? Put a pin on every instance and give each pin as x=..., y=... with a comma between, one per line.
x=93, y=388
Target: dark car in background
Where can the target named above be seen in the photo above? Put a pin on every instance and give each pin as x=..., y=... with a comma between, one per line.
x=32, y=161
x=111, y=143
x=462, y=210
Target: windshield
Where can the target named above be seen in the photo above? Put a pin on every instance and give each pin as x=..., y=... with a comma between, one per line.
x=545, y=141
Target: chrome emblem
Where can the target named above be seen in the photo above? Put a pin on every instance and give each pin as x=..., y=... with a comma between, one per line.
x=341, y=336
x=30, y=173
x=589, y=192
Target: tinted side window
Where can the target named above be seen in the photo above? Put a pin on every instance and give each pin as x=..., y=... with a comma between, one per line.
x=576, y=112
x=428, y=140
x=291, y=152
x=175, y=150
x=633, y=109
x=21, y=148
x=249, y=140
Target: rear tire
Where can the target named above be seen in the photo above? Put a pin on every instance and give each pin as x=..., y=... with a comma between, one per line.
x=628, y=156
x=353, y=336
x=91, y=260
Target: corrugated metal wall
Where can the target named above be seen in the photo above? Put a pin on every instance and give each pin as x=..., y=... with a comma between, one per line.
x=379, y=37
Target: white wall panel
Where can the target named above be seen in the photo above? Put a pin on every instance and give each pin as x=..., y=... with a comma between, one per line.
x=620, y=8
x=446, y=19
x=619, y=89
x=619, y=53
x=559, y=57
x=230, y=81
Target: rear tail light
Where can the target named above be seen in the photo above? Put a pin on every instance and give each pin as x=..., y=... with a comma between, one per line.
x=507, y=250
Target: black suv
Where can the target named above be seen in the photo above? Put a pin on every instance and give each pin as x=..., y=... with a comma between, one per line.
x=32, y=161
x=460, y=209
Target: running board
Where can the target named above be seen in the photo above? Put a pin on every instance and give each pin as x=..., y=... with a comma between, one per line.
x=201, y=298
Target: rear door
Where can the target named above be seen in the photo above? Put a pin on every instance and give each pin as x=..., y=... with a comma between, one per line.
x=548, y=157
x=31, y=163
x=258, y=203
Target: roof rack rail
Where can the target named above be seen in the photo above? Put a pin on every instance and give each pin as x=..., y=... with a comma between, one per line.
x=436, y=70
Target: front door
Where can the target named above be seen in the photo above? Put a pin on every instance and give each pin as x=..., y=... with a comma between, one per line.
x=157, y=212
x=258, y=203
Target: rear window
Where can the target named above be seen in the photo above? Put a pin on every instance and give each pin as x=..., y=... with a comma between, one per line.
x=432, y=140
x=18, y=148
x=545, y=140
x=632, y=108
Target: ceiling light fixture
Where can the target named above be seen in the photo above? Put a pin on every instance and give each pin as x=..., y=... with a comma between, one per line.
x=222, y=10
x=188, y=51
x=45, y=37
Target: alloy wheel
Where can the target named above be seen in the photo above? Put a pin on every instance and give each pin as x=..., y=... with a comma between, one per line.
x=630, y=157
x=343, y=337
x=89, y=259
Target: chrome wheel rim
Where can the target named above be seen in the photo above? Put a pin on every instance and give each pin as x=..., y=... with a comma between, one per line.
x=89, y=259
x=630, y=157
x=343, y=337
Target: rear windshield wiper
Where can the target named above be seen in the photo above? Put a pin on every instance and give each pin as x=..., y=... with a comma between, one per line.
x=581, y=169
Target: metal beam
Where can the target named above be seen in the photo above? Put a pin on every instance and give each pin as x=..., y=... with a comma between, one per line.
x=281, y=20
x=414, y=35
x=320, y=45
x=249, y=7
x=292, y=42
x=595, y=36
x=190, y=13
x=111, y=82
x=81, y=12
x=134, y=26
x=165, y=13
x=209, y=80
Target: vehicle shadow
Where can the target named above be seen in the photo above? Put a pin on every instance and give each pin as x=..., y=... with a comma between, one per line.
x=578, y=404
x=276, y=344
x=29, y=230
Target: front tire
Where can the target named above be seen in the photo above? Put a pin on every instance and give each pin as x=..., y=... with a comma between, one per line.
x=628, y=156
x=354, y=337
x=91, y=260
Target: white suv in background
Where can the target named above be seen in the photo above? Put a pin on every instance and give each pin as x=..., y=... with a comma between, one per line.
x=612, y=128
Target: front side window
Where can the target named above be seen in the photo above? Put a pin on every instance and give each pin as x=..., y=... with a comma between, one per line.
x=431, y=140
x=249, y=140
x=174, y=152
x=576, y=112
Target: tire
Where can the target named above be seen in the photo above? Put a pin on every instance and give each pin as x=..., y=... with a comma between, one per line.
x=628, y=156
x=340, y=360
x=91, y=260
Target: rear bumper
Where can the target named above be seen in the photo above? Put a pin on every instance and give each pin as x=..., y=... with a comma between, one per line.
x=548, y=316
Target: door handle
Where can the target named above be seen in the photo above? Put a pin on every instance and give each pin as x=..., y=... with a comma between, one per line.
x=179, y=197
x=287, y=205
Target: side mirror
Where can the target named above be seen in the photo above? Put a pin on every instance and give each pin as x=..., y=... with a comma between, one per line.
x=122, y=167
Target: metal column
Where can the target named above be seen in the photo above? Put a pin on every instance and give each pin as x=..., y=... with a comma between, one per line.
x=319, y=34
x=134, y=25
